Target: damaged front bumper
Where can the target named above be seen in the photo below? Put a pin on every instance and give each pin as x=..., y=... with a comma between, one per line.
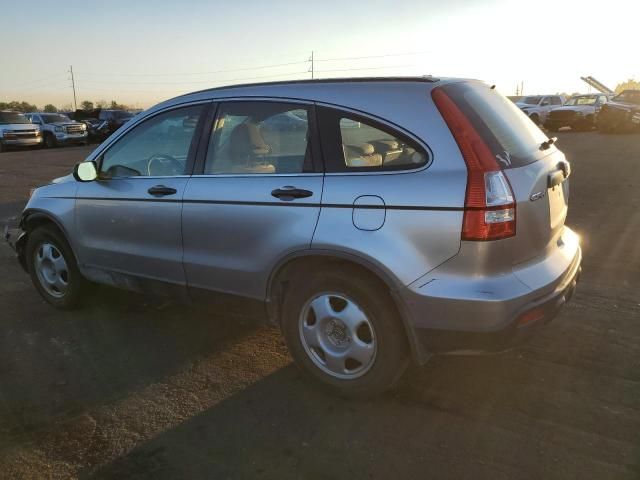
x=17, y=239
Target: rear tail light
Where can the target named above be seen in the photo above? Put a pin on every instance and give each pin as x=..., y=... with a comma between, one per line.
x=489, y=206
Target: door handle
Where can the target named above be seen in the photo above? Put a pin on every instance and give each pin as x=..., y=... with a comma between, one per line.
x=289, y=193
x=161, y=191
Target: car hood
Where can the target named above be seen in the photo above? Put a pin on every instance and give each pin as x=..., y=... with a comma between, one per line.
x=627, y=107
x=63, y=124
x=19, y=126
x=65, y=179
x=575, y=108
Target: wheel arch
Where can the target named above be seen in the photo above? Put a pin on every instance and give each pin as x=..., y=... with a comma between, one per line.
x=33, y=218
x=313, y=259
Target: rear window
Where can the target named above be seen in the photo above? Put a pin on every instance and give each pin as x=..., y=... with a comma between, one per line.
x=513, y=138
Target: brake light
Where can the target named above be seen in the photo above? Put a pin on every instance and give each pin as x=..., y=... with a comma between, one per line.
x=489, y=206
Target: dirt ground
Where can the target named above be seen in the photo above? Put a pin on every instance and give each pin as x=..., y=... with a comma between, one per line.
x=126, y=388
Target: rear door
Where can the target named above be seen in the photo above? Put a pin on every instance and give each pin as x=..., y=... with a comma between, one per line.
x=535, y=168
x=255, y=196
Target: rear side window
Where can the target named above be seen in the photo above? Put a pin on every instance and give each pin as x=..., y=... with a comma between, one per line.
x=512, y=137
x=260, y=138
x=352, y=143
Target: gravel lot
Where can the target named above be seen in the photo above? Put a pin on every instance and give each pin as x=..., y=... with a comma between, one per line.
x=130, y=389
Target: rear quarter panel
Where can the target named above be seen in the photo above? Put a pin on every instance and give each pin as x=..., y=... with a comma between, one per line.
x=423, y=214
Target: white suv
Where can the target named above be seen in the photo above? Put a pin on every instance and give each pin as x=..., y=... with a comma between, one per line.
x=17, y=131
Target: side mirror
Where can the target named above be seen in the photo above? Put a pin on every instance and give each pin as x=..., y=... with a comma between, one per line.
x=85, y=171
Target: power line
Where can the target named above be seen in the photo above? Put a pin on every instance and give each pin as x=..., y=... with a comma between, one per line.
x=363, y=68
x=369, y=56
x=228, y=70
x=197, y=82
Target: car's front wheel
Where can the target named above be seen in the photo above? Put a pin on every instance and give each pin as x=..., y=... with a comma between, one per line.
x=53, y=268
x=343, y=328
x=50, y=141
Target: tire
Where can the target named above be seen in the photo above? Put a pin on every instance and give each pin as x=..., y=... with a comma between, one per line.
x=60, y=283
x=372, y=331
x=50, y=141
x=535, y=118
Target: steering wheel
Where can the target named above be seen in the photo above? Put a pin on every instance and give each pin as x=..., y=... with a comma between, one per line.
x=161, y=164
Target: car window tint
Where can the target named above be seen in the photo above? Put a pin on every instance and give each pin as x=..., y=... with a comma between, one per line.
x=259, y=138
x=366, y=146
x=156, y=147
x=556, y=101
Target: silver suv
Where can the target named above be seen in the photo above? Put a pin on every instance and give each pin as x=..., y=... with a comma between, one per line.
x=377, y=221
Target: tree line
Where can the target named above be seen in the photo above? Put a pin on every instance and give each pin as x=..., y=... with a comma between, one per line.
x=25, y=107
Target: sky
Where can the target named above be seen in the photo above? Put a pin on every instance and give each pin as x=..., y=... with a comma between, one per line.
x=141, y=52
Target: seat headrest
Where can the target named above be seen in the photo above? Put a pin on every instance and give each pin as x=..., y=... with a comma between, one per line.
x=246, y=139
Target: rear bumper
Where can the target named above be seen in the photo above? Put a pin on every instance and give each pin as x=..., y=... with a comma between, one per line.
x=463, y=315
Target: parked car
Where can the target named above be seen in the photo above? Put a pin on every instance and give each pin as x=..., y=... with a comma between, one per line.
x=437, y=226
x=58, y=129
x=17, y=131
x=102, y=122
x=579, y=112
x=622, y=113
x=537, y=107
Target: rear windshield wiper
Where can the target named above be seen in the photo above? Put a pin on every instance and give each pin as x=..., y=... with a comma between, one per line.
x=547, y=144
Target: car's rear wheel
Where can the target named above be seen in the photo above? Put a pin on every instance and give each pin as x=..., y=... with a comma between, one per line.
x=343, y=328
x=53, y=268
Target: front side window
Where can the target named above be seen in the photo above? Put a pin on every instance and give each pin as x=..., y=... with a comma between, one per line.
x=156, y=147
x=259, y=138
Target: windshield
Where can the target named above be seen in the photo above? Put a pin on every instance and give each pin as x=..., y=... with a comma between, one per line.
x=54, y=118
x=512, y=137
x=628, y=96
x=531, y=100
x=581, y=101
x=7, y=118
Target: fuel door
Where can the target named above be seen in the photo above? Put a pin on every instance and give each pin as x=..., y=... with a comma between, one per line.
x=369, y=212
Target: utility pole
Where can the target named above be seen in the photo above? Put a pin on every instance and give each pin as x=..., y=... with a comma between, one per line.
x=311, y=68
x=73, y=85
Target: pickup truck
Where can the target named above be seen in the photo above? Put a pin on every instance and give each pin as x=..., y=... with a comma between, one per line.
x=17, y=131
x=579, y=112
x=537, y=107
x=58, y=129
x=622, y=113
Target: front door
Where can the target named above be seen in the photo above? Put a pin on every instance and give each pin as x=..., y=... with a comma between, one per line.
x=128, y=221
x=255, y=199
